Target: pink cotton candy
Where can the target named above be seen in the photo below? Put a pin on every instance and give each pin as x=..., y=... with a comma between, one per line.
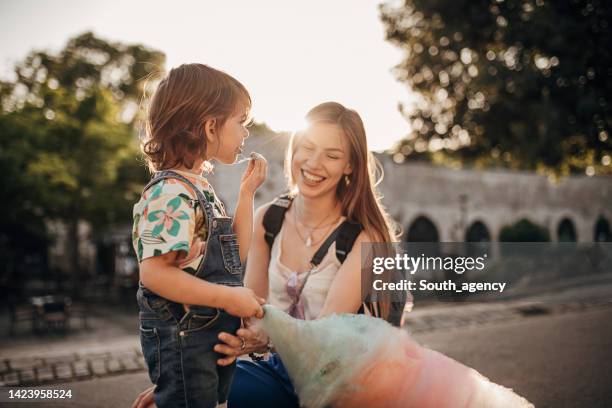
x=355, y=361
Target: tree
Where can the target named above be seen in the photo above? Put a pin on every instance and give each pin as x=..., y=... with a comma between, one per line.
x=68, y=136
x=523, y=84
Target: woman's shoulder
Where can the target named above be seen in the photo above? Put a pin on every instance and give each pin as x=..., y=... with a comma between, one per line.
x=260, y=213
x=262, y=209
x=358, y=233
x=283, y=201
x=366, y=237
x=352, y=246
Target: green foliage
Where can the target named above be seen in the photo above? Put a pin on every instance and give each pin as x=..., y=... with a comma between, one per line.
x=524, y=231
x=68, y=142
x=522, y=84
x=68, y=127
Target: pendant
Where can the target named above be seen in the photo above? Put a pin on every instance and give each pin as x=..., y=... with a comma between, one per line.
x=309, y=242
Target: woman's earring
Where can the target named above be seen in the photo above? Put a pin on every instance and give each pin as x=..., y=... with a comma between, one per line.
x=347, y=179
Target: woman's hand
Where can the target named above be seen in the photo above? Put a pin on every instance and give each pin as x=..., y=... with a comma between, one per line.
x=145, y=399
x=231, y=346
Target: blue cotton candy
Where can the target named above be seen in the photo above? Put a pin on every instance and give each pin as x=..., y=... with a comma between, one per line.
x=322, y=355
x=351, y=361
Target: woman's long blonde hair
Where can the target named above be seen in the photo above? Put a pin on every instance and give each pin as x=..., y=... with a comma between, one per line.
x=360, y=201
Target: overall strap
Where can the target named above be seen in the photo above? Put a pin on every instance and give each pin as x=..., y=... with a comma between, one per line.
x=169, y=174
x=274, y=217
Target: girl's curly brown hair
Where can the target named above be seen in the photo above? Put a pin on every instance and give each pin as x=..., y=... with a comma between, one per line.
x=184, y=100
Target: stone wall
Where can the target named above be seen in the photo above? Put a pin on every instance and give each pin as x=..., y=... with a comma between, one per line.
x=453, y=200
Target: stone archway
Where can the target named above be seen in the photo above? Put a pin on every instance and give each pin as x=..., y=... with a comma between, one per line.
x=422, y=229
x=602, y=230
x=566, y=231
x=477, y=232
x=480, y=239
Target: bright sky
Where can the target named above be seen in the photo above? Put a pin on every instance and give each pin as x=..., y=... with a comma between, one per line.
x=291, y=55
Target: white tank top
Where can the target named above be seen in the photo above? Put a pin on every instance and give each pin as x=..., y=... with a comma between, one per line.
x=317, y=286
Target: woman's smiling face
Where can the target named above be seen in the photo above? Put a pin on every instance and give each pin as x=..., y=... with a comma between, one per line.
x=320, y=160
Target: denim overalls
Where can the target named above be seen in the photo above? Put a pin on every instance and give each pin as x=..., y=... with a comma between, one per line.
x=178, y=345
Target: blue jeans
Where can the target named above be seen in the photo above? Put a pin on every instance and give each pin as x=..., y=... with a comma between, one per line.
x=262, y=384
x=180, y=357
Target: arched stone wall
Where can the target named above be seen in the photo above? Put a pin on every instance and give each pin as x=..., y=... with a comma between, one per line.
x=454, y=199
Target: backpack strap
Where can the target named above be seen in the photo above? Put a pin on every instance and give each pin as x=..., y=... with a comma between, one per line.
x=316, y=260
x=396, y=309
x=347, y=235
x=344, y=236
x=322, y=251
x=274, y=217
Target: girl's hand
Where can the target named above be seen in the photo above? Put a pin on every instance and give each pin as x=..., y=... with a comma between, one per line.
x=231, y=345
x=243, y=302
x=254, y=175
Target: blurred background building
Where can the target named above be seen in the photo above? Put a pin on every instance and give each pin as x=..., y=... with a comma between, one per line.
x=438, y=204
x=508, y=136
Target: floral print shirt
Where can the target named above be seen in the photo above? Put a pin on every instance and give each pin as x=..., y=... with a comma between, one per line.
x=165, y=220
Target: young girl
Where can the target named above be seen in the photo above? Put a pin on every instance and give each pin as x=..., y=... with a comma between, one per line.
x=191, y=254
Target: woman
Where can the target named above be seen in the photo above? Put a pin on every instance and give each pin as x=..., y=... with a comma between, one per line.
x=331, y=178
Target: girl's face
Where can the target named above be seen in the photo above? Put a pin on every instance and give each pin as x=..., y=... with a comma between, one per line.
x=229, y=140
x=320, y=160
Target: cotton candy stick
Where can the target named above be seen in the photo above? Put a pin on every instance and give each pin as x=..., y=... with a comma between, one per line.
x=348, y=361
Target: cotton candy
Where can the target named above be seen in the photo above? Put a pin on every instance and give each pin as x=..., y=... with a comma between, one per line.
x=347, y=361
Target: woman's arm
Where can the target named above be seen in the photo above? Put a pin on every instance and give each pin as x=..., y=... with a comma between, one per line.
x=344, y=294
x=256, y=275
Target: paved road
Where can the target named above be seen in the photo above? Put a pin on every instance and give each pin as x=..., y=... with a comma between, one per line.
x=556, y=361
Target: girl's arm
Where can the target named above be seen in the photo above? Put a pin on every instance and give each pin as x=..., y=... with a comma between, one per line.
x=160, y=275
x=256, y=275
x=344, y=294
x=243, y=222
x=253, y=177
